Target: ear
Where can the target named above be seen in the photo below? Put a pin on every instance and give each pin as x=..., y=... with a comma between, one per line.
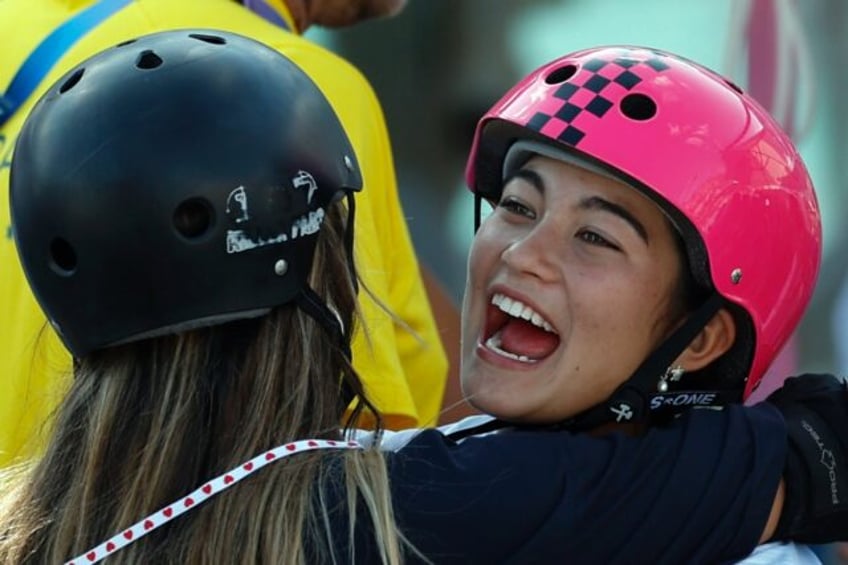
x=713, y=341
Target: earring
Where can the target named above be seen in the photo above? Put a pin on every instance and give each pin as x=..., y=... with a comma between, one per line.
x=673, y=374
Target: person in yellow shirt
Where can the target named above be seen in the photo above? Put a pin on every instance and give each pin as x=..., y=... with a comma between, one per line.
x=399, y=355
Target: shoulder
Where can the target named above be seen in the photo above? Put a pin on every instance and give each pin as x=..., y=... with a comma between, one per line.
x=393, y=441
x=333, y=74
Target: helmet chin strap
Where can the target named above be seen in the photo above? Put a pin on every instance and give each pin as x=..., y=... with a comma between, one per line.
x=312, y=304
x=308, y=301
x=348, y=239
x=632, y=401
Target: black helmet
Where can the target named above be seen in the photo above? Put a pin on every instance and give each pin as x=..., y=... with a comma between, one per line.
x=174, y=181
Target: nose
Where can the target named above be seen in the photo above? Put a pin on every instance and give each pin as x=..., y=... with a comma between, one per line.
x=534, y=253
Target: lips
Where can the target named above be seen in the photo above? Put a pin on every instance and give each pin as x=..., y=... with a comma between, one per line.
x=516, y=331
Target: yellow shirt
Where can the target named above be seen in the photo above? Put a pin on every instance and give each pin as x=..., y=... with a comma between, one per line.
x=404, y=373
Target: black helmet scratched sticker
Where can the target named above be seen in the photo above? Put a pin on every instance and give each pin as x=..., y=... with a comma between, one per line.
x=239, y=212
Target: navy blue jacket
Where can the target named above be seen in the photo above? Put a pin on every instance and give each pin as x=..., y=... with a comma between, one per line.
x=697, y=491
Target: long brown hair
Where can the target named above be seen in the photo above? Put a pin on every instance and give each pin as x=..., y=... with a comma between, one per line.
x=147, y=422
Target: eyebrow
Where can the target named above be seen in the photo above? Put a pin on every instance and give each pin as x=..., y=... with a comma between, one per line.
x=590, y=203
x=598, y=203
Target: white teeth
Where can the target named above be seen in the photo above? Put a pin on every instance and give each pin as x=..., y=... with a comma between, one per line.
x=518, y=309
x=494, y=344
x=515, y=309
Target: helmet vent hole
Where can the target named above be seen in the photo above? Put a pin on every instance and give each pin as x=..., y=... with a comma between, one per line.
x=638, y=107
x=193, y=218
x=561, y=74
x=148, y=60
x=213, y=39
x=125, y=43
x=72, y=81
x=734, y=86
x=63, y=258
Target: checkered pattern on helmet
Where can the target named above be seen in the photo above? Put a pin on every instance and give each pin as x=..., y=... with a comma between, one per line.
x=596, y=87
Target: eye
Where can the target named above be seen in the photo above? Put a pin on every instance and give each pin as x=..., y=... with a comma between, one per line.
x=515, y=206
x=593, y=238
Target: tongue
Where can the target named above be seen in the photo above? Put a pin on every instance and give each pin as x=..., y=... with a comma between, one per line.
x=523, y=338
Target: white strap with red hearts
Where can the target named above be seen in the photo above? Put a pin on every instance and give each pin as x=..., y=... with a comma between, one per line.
x=207, y=491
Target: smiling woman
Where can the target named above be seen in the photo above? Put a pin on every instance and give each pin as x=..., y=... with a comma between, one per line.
x=655, y=239
x=595, y=263
x=624, y=182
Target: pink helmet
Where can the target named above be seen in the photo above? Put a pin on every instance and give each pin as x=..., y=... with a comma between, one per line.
x=708, y=154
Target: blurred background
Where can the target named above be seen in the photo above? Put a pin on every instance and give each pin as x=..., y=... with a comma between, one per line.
x=441, y=63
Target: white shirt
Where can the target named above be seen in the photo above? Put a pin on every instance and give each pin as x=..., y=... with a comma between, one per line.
x=782, y=553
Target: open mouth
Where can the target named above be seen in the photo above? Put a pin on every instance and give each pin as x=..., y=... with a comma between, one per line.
x=516, y=331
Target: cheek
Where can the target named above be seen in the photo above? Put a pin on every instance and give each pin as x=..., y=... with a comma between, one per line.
x=631, y=308
x=483, y=255
x=468, y=320
x=481, y=259
x=668, y=308
x=650, y=310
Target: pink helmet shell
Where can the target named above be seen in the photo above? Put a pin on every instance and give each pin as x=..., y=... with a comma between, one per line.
x=712, y=157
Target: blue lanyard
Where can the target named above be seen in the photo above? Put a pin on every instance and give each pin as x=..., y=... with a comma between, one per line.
x=48, y=52
x=265, y=10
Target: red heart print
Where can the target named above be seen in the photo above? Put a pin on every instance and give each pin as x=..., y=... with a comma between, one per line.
x=248, y=466
x=228, y=479
x=167, y=512
x=311, y=443
x=110, y=547
x=188, y=502
x=207, y=488
x=128, y=534
x=290, y=447
x=91, y=556
x=148, y=524
x=269, y=456
x=331, y=443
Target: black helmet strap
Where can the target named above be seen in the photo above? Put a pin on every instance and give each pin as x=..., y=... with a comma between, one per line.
x=348, y=239
x=308, y=301
x=631, y=402
x=312, y=304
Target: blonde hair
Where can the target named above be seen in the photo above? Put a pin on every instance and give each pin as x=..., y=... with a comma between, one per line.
x=147, y=422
